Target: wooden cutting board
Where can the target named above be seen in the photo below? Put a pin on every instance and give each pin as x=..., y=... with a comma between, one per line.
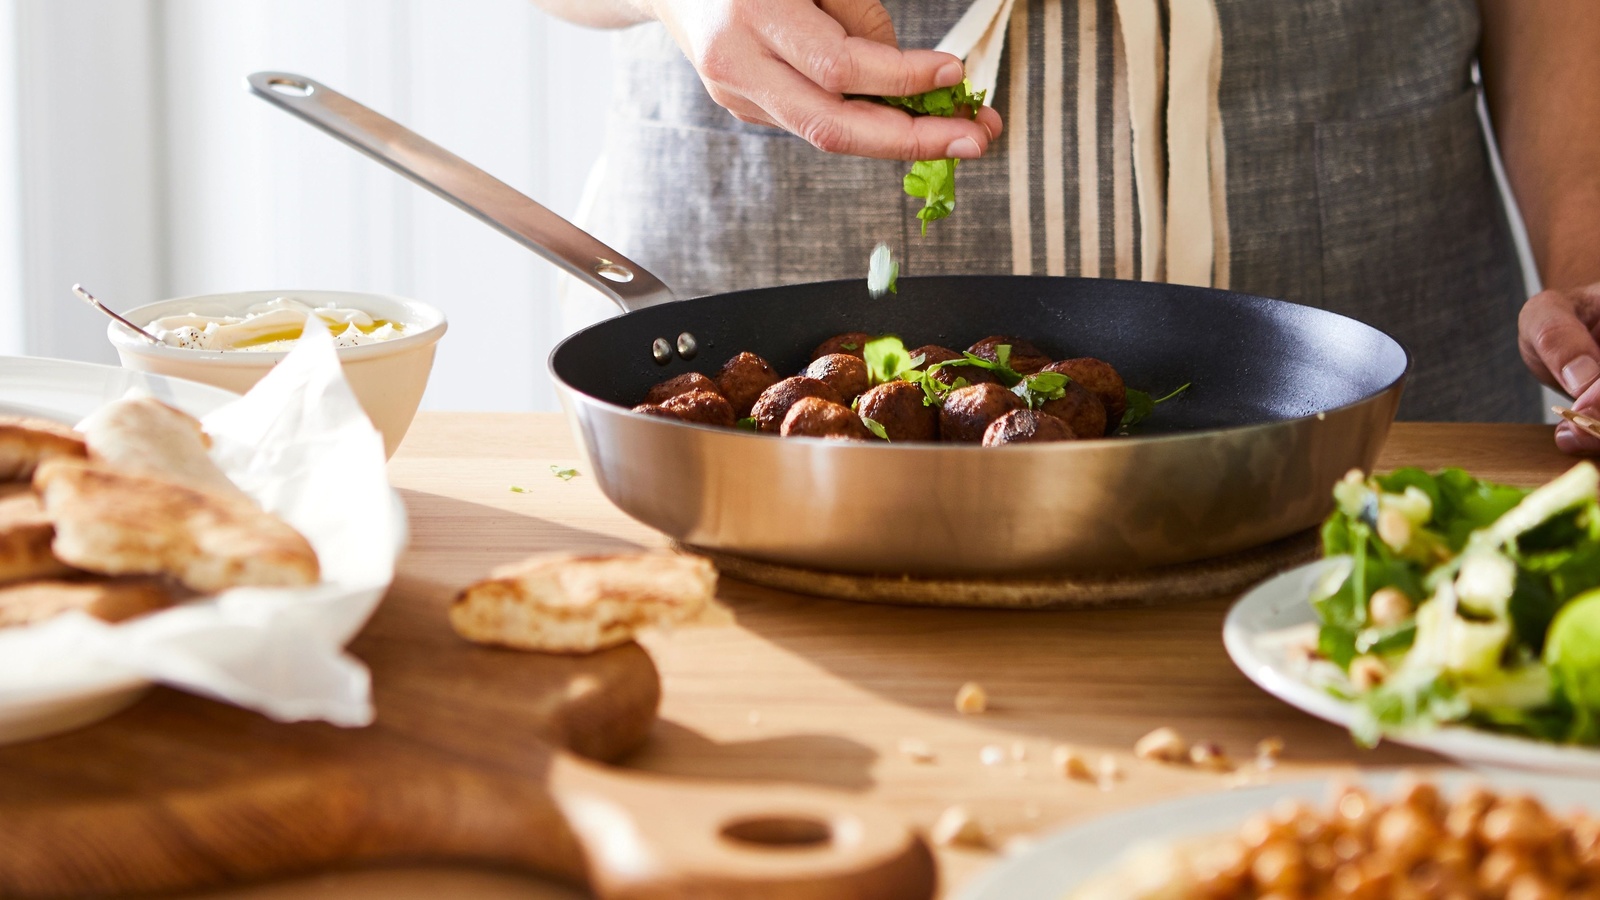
x=478, y=755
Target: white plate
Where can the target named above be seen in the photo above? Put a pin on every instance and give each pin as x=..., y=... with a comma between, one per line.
x=67, y=392
x=1065, y=860
x=1255, y=637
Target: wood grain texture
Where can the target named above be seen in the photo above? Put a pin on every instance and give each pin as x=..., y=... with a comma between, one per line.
x=822, y=692
x=811, y=692
x=462, y=766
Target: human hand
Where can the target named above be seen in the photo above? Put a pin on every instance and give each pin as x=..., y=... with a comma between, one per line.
x=790, y=64
x=1557, y=336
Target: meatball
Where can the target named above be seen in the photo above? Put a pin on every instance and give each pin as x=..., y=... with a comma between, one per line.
x=898, y=406
x=773, y=404
x=968, y=411
x=1026, y=426
x=844, y=373
x=1101, y=380
x=742, y=380
x=1025, y=357
x=701, y=408
x=849, y=343
x=1080, y=410
x=933, y=354
x=816, y=417
x=681, y=384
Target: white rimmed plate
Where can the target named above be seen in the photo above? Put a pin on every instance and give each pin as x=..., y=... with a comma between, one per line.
x=1262, y=630
x=67, y=392
x=1064, y=861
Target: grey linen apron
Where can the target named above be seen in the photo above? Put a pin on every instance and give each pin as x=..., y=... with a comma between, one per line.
x=1357, y=179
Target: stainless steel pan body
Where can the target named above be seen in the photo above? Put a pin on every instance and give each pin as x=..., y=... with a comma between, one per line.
x=1286, y=399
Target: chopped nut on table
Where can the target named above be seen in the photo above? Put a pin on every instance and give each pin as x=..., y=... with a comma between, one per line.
x=957, y=828
x=1267, y=752
x=1110, y=772
x=1163, y=744
x=1210, y=755
x=971, y=699
x=992, y=755
x=917, y=750
x=1071, y=763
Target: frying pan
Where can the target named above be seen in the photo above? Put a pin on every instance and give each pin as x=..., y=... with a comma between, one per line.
x=1285, y=400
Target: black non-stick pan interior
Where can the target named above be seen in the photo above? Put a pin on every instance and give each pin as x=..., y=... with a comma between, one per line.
x=1250, y=360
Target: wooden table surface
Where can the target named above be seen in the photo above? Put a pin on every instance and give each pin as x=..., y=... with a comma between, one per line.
x=822, y=692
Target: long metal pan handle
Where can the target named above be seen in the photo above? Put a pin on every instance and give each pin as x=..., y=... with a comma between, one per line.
x=628, y=284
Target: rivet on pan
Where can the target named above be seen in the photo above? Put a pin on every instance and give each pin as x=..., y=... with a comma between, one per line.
x=687, y=345
x=662, y=351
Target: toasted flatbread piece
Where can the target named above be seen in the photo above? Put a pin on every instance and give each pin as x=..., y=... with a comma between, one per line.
x=26, y=442
x=114, y=523
x=580, y=604
x=25, y=535
x=144, y=436
x=110, y=601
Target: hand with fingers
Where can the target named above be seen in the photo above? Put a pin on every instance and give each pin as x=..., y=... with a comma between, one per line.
x=1557, y=333
x=794, y=64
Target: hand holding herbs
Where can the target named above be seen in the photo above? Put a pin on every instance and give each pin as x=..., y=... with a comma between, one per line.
x=1000, y=391
x=1459, y=601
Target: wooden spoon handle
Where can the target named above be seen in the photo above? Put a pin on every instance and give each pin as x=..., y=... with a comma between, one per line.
x=653, y=838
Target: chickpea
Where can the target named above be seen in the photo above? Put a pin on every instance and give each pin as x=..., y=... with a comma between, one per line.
x=1279, y=866
x=1406, y=833
x=1466, y=813
x=1389, y=607
x=1500, y=868
x=1516, y=822
x=1421, y=796
x=1394, y=528
x=1532, y=887
x=1367, y=672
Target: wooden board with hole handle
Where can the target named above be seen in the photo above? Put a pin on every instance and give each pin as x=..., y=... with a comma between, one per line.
x=478, y=755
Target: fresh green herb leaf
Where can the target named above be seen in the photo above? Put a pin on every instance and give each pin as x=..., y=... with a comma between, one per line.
x=563, y=474
x=1040, y=388
x=934, y=181
x=888, y=359
x=875, y=428
x=748, y=423
x=1409, y=700
x=518, y=490
x=883, y=271
x=1007, y=376
x=1141, y=406
x=1002, y=355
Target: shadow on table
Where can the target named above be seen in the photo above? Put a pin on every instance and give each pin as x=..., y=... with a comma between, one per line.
x=818, y=760
x=1093, y=678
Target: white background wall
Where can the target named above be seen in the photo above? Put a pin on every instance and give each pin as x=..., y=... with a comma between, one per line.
x=145, y=171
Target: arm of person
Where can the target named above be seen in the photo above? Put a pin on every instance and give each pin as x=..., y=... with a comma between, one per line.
x=1542, y=77
x=794, y=64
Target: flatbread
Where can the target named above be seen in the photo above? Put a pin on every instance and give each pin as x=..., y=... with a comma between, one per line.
x=115, y=523
x=25, y=442
x=109, y=601
x=580, y=604
x=25, y=536
x=144, y=436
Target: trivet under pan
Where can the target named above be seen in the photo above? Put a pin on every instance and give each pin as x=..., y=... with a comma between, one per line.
x=1205, y=579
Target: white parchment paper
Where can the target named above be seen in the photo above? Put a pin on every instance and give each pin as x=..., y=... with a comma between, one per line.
x=300, y=444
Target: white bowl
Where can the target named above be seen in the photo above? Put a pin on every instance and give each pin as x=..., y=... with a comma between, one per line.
x=388, y=377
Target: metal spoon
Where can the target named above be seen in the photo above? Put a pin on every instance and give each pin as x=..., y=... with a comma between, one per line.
x=89, y=298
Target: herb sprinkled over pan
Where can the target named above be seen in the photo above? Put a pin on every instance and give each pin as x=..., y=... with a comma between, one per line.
x=933, y=181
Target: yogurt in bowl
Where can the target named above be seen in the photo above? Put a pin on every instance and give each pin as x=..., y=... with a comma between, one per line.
x=270, y=326
x=386, y=343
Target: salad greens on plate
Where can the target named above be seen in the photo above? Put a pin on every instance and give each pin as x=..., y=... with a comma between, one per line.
x=1460, y=601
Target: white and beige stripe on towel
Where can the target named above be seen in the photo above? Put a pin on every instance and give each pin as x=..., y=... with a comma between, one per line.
x=1180, y=188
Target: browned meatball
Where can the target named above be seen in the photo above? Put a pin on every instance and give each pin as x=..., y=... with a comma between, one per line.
x=849, y=343
x=701, y=408
x=1026, y=426
x=1025, y=357
x=816, y=417
x=681, y=384
x=898, y=407
x=1101, y=380
x=968, y=411
x=773, y=404
x=742, y=380
x=1080, y=410
x=844, y=373
x=652, y=409
x=933, y=354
